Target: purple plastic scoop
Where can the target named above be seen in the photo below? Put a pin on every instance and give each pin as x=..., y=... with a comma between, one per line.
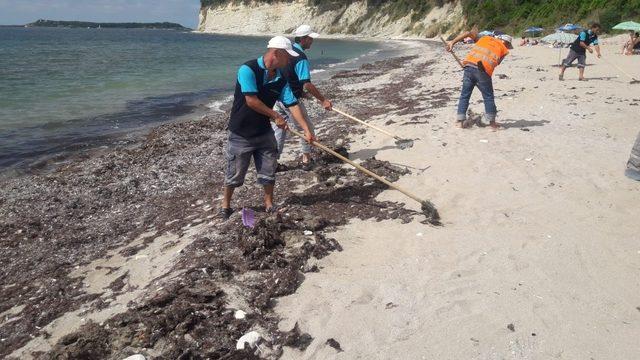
x=248, y=218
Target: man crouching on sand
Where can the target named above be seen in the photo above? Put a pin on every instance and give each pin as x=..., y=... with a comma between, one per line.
x=479, y=65
x=260, y=84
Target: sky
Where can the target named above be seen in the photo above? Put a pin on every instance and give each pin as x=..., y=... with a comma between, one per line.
x=18, y=12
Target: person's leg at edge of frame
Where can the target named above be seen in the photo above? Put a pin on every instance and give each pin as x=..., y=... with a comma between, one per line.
x=485, y=85
x=465, y=96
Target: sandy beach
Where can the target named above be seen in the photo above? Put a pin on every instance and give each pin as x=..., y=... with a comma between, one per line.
x=537, y=255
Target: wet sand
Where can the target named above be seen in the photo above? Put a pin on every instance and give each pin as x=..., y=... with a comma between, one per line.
x=119, y=251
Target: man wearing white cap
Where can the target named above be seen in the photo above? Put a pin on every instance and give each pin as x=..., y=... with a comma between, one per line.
x=299, y=74
x=259, y=85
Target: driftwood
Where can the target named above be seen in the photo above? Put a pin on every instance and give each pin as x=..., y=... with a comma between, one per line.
x=633, y=166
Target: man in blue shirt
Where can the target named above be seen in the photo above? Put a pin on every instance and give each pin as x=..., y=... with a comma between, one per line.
x=259, y=85
x=579, y=50
x=299, y=74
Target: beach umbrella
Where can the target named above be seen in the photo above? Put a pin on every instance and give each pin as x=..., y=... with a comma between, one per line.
x=533, y=30
x=569, y=27
x=559, y=37
x=628, y=25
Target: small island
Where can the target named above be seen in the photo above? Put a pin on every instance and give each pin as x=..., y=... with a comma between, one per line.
x=94, y=25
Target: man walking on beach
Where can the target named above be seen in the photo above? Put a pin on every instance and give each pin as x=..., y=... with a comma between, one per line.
x=484, y=57
x=579, y=48
x=299, y=73
x=259, y=85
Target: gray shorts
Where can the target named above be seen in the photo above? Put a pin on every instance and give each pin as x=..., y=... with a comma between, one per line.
x=281, y=135
x=582, y=59
x=239, y=151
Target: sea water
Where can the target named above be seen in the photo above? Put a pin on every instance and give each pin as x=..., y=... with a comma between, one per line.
x=67, y=89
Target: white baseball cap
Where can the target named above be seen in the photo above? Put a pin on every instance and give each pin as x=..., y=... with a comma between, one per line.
x=506, y=38
x=305, y=30
x=281, y=42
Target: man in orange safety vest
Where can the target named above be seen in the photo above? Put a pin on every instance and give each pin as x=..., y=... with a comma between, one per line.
x=484, y=57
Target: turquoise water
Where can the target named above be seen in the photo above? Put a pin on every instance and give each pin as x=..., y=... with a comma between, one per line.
x=65, y=89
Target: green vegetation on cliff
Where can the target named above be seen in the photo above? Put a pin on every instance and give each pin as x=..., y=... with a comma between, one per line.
x=84, y=24
x=519, y=14
x=508, y=15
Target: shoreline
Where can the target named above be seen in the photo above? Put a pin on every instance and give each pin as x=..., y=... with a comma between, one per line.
x=200, y=101
x=322, y=36
x=351, y=269
x=136, y=204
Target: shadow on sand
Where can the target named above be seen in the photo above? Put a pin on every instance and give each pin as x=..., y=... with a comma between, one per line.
x=520, y=124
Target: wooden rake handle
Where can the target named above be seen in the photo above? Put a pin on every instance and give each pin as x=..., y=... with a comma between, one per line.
x=359, y=167
x=366, y=124
x=452, y=53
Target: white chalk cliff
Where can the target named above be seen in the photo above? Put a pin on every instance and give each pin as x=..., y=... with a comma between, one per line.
x=355, y=18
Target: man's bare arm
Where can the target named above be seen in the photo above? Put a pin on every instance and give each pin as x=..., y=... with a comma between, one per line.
x=473, y=33
x=299, y=118
x=257, y=105
x=313, y=90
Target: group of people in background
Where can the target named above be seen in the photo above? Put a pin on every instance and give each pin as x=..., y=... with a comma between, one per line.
x=271, y=92
x=525, y=41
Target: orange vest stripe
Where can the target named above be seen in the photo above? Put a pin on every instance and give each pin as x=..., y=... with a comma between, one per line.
x=489, y=51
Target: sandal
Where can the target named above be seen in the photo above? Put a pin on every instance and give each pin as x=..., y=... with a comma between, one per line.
x=225, y=213
x=275, y=209
x=307, y=166
x=281, y=168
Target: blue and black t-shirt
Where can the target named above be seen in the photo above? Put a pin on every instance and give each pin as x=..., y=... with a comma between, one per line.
x=298, y=71
x=586, y=36
x=253, y=79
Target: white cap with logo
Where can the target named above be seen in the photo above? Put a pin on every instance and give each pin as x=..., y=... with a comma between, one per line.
x=305, y=30
x=507, y=39
x=281, y=42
